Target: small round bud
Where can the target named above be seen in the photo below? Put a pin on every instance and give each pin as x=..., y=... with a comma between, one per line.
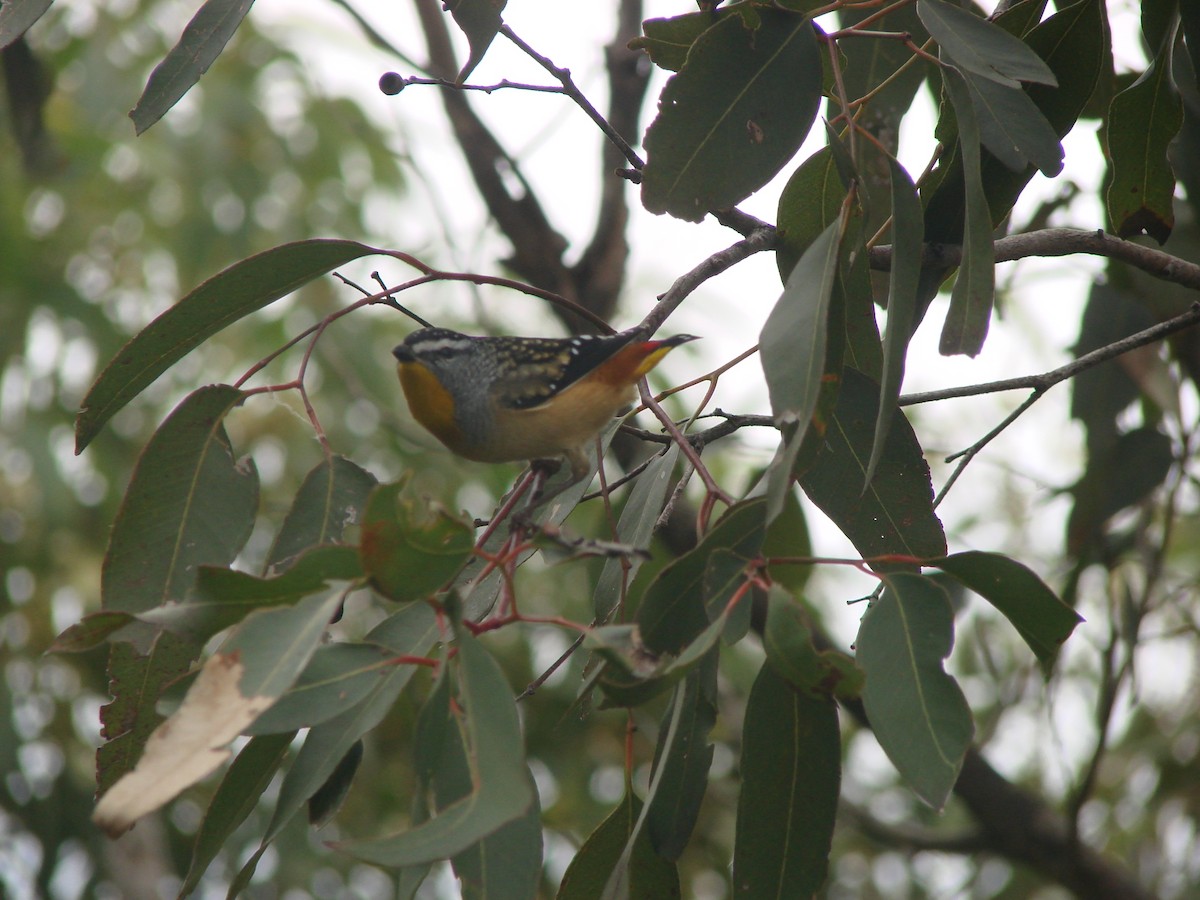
x=391, y=83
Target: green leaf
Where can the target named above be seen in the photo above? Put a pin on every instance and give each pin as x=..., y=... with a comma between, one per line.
x=1074, y=43
x=199, y=46
x=685, y=761
x=724, y=576
x=480, y=21
x=788, y=642
x=917, y=711
x=505, y=865
x=17, y=17
x=91, y=631
x=1142, y=121
x=792, y=346
x=787, y=536
x=894, y=515
x=808, y=204
x=979, y=46
x=337, y=677
x=971, y=299
x=636, y=525
x=243, y=288
x=138, y=673
x=501, y=790
x=410, y=547
x=222, y=597
x=408, y=632
x=735, y=113
x=324, y=804
x=333, y=495
x=671, y=613
x=791, y=773
x=189, y=503
x=667, y=41
x=908, y=232
x=1013, y=128
x=1041, y=618
x=650, y=876
x=236, y=797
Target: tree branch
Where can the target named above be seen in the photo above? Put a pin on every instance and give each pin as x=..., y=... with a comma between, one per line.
x=1062, y=242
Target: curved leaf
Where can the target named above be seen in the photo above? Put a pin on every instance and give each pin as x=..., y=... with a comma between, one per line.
x=1041, y=618
x=230, y=295
x=480, y=21
x=501, y=785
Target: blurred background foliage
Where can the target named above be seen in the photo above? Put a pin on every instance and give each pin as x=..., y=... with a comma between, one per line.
x=99, y=232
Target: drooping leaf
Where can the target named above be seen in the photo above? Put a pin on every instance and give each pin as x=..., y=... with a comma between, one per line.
x=410, y=546
x=480, y=21
x=200, y=44
x=333, y=495
x=791, y=773
x=506, y=864
x=808, y=204
x=908, y=232
x=1142, y=121
x=239, y=290
x=236, y=797
x=324, y=804
x=1041, y=618
x=792, y=346
x=684, y=762
x=917, y=710
x=894, y=515
x=650, y=876
x=1013, y=128
x=16, y=17
x=735, y=113
x=974, y=290
x=189, y=503
x=501, y=787
x=979, y=46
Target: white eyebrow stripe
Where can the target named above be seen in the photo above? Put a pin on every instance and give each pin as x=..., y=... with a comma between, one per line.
x=433, y=346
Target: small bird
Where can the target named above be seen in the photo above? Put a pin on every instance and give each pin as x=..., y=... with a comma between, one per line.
x=508, y=399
